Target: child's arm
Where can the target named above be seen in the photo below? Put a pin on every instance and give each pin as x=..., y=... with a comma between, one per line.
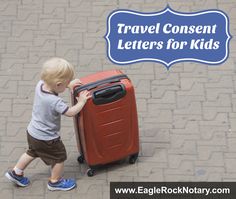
x=81, y=101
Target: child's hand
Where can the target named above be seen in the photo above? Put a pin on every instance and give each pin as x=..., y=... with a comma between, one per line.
x=81, y=101
x=84, y=95
x=73, y=83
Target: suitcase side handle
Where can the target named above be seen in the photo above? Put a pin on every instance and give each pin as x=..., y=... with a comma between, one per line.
x=93, y=85
x=109, y=94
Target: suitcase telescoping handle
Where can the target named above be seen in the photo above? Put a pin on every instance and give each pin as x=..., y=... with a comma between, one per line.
x=109, y=94
x=93, y=85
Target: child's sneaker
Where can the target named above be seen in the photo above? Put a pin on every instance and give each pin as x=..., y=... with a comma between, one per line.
x=62, y=184
x=20, y=180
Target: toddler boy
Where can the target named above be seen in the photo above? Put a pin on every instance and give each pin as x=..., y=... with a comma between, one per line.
x=43, y=130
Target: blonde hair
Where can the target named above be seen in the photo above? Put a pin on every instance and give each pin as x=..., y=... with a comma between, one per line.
x=57, y=70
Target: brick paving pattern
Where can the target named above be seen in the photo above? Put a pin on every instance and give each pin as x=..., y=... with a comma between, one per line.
x=187, y=115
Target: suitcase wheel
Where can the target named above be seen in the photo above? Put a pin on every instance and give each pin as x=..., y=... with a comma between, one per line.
x=90, y=172
x=80, y=159
x=133, y=158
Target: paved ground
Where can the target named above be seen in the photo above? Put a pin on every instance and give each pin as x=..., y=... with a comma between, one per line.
x=187, y=116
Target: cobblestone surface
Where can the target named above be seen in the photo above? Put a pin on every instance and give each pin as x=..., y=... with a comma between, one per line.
x=187, y=115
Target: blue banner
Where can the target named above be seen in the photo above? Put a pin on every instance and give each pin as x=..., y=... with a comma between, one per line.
x=167, y=37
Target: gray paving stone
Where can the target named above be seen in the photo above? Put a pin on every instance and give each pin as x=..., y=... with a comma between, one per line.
x=187, y=115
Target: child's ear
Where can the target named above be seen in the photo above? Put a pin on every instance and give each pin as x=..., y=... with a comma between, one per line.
x=59, y=83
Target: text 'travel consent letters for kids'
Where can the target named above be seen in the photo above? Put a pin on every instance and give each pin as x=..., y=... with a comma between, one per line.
x=167, y=37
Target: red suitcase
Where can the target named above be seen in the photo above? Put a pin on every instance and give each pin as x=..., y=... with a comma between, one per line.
x=107, y=126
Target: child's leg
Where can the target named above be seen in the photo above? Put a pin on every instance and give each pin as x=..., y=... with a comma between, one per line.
x=56, y=172
x=22, y=163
